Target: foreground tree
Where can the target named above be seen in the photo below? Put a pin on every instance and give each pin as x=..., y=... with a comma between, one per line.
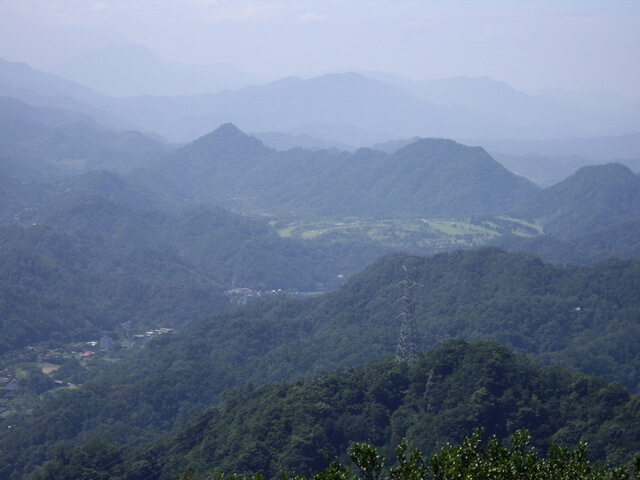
x=474, y=460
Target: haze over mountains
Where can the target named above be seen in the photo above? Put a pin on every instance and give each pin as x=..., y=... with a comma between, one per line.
x=131, y=70
x=144, y=203
x=419, y=177
x=346, y=107
x=524, y=132
x=432, y=177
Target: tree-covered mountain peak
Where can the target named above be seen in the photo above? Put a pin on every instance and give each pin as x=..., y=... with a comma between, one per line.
x=431, y=143
x=613, y=179
x=451, y=390
x=593, y=198
x=446, y=149
x=603, y=174
x=226, y=132
x=429, y=177
x=228, y=129
x=225, y=141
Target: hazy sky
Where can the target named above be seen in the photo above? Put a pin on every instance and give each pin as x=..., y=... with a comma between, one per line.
x=578, y=44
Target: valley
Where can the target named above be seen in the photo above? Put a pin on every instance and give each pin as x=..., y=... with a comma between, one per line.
x=181, y=298
x=425, y=235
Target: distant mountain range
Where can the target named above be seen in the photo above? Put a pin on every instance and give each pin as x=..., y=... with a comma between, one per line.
x=62, y=141
x=39, y=88
x=227, y=167
x=416, y=177
x=131, y=70
x=430, y=177
x=347, y=108
x=544, y=162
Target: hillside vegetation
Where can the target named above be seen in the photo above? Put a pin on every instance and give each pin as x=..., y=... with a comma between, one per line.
x=581, y=317
x=63, y=142
x=429, y=177
x=589, y=217
x=593, y=198
x=168, y=240
x=98, y=252
x=296, y=427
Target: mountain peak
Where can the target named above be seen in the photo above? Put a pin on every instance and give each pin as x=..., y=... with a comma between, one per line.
x=229, y=129
x=228, y=133
x=610, y=179
x=441, y=147
x=431, y=142
x=594, y=197
x=228, y=140
x=600, y=172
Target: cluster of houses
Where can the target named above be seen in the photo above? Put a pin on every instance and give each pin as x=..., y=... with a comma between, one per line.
x=105, y=344
x=9, y=387
x=240, y=296
x=146, y=336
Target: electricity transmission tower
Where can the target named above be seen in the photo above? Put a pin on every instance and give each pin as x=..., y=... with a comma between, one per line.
x=409, y=340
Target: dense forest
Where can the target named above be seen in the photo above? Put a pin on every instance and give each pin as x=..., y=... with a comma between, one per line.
x=581, y=317
x=104, y=253
x=296, y=427
x=106, y=232
x=588, y=217
x=428, y=177
x=120, y=251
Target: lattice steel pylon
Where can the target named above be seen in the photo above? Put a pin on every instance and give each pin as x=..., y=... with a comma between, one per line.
x=408, y=345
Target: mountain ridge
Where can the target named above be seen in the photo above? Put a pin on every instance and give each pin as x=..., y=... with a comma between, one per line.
x=593, y=198
x=300, y=106
x=428, y=177
x=578, y=317
x=146, y=73
x=454, y=388
x=64, y=142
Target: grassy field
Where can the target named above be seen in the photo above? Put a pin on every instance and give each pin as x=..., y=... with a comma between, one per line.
x=412, y=234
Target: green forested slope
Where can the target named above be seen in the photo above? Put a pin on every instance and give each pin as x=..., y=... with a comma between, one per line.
x=295, y=427
x=585, y=318
x=589, y=217
x=59, y=287
x=99, y=252
x=620, y=240
x=593, y=198
x=58, y=141
x=428, y=177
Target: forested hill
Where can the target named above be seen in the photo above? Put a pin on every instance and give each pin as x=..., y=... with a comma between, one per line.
x=95, y=252
x=296, y=427
x=592, y=215
x=59, y=141
x=593, y=198
x=428, y=177
x=621, y=240
x=584, y=318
